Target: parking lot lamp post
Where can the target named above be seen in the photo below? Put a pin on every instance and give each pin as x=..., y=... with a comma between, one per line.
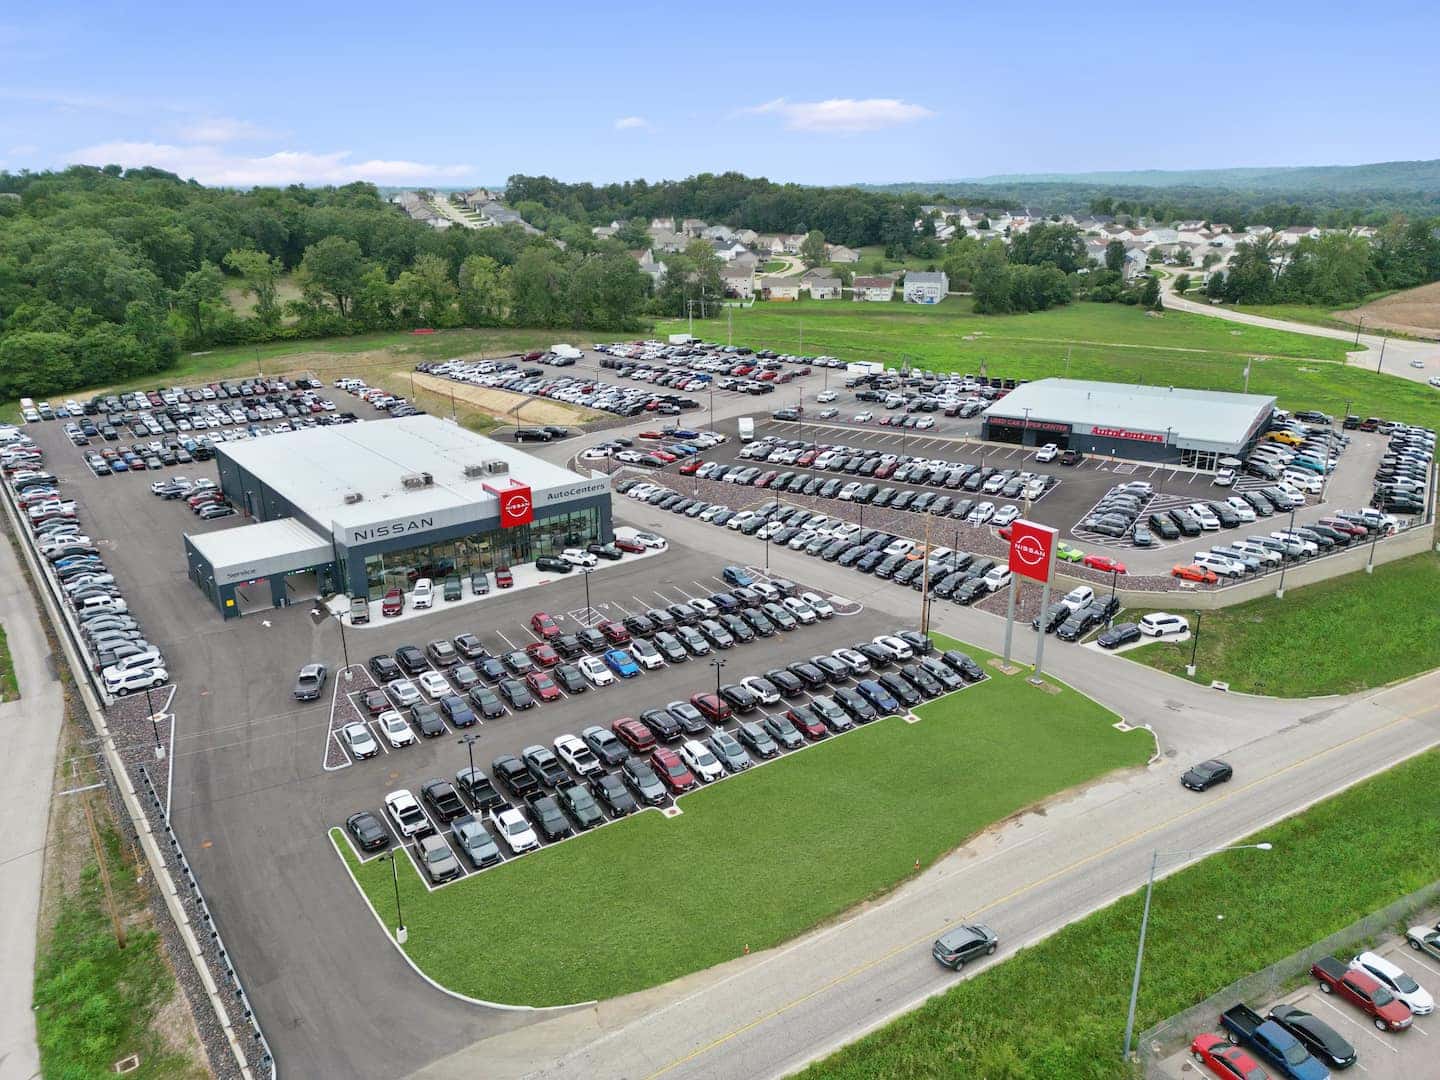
x=401, y=933
x=585, y=572
x=717, y=664
x=1155, y=858
x=1194, y=646
x=1358, y=327
x=1370, y=566
x=470, y=741
x=1280, y=592
x=154, y=726
x=1383, y=342
x=1114, y=578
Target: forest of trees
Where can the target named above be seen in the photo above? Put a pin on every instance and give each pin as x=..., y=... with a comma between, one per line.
x=106, y=274
x=1331, y=270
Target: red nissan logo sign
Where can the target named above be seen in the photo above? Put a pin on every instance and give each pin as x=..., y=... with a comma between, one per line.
x=1032, y=550
x=516, y=503
x=517, y=506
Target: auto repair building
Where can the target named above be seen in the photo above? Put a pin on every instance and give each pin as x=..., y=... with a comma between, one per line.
x=362, y=508
x=1170, y=424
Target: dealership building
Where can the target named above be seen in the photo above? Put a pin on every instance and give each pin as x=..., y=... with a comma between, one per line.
x=1168, y=424
x=362, y=508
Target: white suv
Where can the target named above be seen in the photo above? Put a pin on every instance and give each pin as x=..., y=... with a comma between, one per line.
x=119, y=683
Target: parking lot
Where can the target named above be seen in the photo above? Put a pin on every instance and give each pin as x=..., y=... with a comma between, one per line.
x=1404, y=1055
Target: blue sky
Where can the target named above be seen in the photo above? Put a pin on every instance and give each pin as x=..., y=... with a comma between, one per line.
x=451, y=94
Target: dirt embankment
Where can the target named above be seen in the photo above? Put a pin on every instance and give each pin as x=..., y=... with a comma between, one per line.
x=1415, y=312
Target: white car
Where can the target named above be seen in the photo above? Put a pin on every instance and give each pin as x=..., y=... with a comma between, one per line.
x=863, y=417
x=1005, y=515
x=1396, y=981
x=1418, y=364
x=1078, y=597
x=826, y=395
x=423, y=595
x=854, y=660
x=628, y=457
x=405, y=812
x=359, y=741
x=1160, y=623
x=645, y=654
x=653, y=541
x=1303, y=482
x=818, y=604
x=1243, y=510
x=403, y=692
x=1048, y=452
x=1224, y=478
x=925, y=422
x=596, y=453
x=397, y=732
x=1434, y=380
x=594, y=669
x=981, y=514
x=1219, y=563
x=120, y=683
x=435, y=684
x=801, y=610
x=1258, y=551
x=740, y=519
x=900, y=547
x=577, y=755
x=578, y=557
x=762, y=689
x=706, y=608
x=997, y=578
x=702, y=762
x=898, y=648
x=1205, y=516
x=511, y=824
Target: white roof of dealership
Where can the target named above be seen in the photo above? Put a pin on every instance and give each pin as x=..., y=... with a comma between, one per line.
x=1195, y=419
x=352, y=476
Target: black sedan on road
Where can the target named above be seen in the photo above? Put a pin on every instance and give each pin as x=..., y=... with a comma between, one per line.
x=1206, y=775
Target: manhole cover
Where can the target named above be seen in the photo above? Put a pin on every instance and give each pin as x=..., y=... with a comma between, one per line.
x=127, y=1064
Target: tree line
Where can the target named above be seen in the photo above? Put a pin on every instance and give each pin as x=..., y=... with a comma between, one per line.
x=107, y=274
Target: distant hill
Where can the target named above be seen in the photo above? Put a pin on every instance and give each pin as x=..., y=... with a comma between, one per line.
x=1393, y=176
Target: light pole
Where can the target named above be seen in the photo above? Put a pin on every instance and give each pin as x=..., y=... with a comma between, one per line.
x=154, y=726
x=1114, y=578
x=717, y=664
x=1358, y=327
x=1194, y=645
x=585, y=572
x=1280, y=592
x=401, y=933
x=470, y=740
x=1145, y=920
x=1383, y=342
x=1369, y=566
x=344, y=645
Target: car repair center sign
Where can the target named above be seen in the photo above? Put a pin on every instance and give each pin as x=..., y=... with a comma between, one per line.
x=1032, y=550
x=516, y=505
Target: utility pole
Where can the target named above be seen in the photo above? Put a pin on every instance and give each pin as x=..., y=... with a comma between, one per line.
x=1358, y=327
x=925, y=581
x=1383, y=342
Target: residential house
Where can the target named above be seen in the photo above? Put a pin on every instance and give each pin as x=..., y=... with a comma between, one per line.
x=746, y=260
x=692, y=226
x=604, y=232
x=816, y=272
x=839, y=253
x=1295, y=233
x=824, y=288
x=792, y=243
x=728, y=250
x=775, y=245
x=738, y=282
x=925, y=286
x=1160, y=237
x=1095, y=249
x=473, y=200
x=719, y=232
x=873, y=289
x=666, y=224
x=780, y=288
x=747, y=236
x=1135, y=263
x=495, y=214
x=652, y=267
x=666, y=240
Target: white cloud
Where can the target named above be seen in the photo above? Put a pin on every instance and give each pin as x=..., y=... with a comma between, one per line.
x=842, y=115
x=221, y=129
x=632, y=123
x=213, y=165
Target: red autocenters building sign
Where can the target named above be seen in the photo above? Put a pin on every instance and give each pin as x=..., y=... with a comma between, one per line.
x=516, y=505
x=1032, y=550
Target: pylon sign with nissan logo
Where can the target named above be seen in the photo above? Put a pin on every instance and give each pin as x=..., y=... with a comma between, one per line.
x=517, y=506
x=1032, y=550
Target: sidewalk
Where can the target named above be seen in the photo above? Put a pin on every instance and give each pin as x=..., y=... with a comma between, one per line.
x=32, y=728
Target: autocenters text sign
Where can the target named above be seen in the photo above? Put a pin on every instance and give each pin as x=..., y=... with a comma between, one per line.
x=1032, y=549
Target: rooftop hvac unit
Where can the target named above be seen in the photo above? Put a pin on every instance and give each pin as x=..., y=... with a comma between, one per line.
x=352, y=497
x=417, y=480
x=497, y=467
x=472, y=471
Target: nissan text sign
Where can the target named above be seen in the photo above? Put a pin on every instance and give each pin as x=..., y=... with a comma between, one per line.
x=517, y=506
x=1032, y=550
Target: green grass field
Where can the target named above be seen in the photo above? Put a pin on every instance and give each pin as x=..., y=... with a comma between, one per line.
x=1335, y=637
x=9, y=685
x=1057, y=1009
x=757, y=859
x=868, y=256
x=1110, y=342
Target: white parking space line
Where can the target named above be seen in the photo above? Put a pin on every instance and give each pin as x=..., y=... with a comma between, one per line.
x=507, y=641
x=1416, y=956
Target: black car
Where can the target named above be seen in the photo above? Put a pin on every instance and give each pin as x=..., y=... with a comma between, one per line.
x=668, y=646
x=758, y=621
x=739, y=629
x=476, y=786
x=610, y=791
x=854, y=703
x=516, y=694
x=552, y=565
x=665, y=726
x=1121, y=634
x=683, y=614
x=922, y=680
x=833, y=669
x=738, y=698
x=1079, y=623
x=367, y=831
x=962, y=665
x=384, y=668
x=570, y=679
x=411, y=659
x=427, y=718
x=1206, y=775
x=807, y=673
x=639, y=625
x=580, y=804
x=545, y=814
x=491, y=669
x=1052, y=617
x=921, y=643
x=484, y=699
x=441, y=798
x=901, y=688
x=568, y=645
x=1318, y=1037
x=593, y=640
x=512, y=773
x=878, y=656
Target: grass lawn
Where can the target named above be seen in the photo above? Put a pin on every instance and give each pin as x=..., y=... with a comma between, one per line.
x=774, y=266
x=1057, y=1009
x=758, y=859
x=9, y=686
x=868, y=256
x=1334, y=637
x=1111, y=342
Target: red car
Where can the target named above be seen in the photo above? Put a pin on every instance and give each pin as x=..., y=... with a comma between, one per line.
x=631, y=547
x=542, y=686
x=1105, y=563
x=1224, y=1060
x=503, y=577
x=664, y=455
x=544, y=625
x=1194, y=573
x=653, y=435
x=807, y=458
x=634, y=734
x=614, y=632
x=375, y=702
x=711, y=707
x=691, y=467
x=394, y=602
x=543, y=654
x=806, y=722
x=1364, y=991
x=672, y=771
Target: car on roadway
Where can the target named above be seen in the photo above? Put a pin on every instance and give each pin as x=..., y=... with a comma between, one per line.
x=958, y=946
x=310, y=682
x=1206, y=775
